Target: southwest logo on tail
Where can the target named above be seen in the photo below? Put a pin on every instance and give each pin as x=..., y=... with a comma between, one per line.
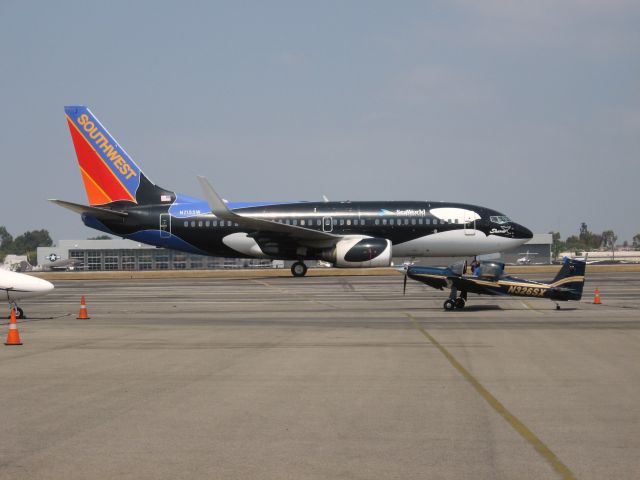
x=109, y=174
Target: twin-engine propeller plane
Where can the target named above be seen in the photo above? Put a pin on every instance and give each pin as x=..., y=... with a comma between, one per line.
x=491, y=280
x=124, y=202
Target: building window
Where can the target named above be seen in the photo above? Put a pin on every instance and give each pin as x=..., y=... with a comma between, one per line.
x=128, y=261
x=144, y=262
x=94, y=260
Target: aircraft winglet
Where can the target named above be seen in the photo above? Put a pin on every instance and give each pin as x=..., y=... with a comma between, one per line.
x=218, y=206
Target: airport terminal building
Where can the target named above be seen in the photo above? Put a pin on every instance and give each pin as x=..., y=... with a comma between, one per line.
x=118, y=254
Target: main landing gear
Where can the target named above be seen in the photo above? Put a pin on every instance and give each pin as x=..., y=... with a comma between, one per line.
x=299, y=269
x=454, y=301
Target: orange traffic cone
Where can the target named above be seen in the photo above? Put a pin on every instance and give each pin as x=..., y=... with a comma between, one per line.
x=83, y=314
x=596, y=298
x=13, y=337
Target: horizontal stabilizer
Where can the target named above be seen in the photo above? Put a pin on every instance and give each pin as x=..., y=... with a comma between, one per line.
x=97, y=211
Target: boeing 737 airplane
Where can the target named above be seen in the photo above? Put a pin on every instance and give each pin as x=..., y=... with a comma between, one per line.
x=124, y=202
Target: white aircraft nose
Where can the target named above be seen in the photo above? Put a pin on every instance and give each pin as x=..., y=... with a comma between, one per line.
x=44, y=286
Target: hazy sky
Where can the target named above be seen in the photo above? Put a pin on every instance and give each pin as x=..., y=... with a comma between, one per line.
x=531, y=107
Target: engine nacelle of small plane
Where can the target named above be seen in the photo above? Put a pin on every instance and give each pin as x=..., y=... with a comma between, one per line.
x=360, y=252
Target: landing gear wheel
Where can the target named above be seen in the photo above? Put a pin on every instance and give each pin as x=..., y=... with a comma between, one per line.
x=19, y=313
x=298, y=269
x=459, y=303
x=449, y=305
x=557, y=306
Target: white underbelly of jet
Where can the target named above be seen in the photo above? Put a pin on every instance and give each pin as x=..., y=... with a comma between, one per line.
x=241, y=243
x=455, y=243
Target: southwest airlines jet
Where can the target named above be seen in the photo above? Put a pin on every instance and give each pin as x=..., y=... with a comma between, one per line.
x=124, y=202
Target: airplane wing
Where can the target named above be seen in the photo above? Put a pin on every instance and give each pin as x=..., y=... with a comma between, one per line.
x=98, y=211
x=303, y=235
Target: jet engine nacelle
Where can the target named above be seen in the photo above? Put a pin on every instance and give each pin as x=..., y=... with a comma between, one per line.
x=360, y=252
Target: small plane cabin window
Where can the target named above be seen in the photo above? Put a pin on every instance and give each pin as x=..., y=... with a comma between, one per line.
x=362, y=221
x=384, y=221
x=193, y=223
x=377, y=221
x=341, y=222
x=287, y=221
x=302, y=222
x=214, y=223
x=413, y=221
x=294, y=222
x=319, y=222
x=348, y=222
x=406, y=221
x=186, y=223
x=207, y=223
x=335, y=221
x=200, y=223
x=420, y=221
x=427, y=221
x=236, y=225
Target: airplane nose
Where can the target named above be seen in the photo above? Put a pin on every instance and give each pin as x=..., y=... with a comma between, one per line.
x=522, y=232
x=44, y=286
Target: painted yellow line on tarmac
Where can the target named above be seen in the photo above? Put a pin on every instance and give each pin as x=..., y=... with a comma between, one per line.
x=511, y=419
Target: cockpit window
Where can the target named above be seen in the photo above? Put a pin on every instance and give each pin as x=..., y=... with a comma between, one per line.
x=500, y=219
x=491, y=269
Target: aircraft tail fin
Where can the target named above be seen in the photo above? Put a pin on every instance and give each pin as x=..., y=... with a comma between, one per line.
x=108, y=172
x=570, y=278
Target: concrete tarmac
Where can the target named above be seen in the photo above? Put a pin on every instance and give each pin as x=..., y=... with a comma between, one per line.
x=321, y=377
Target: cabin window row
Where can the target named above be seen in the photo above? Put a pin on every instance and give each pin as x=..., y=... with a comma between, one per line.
x=335, y=222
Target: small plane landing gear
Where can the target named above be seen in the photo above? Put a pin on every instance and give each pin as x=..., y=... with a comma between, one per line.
x=454, y=301
x=298, y=269
x=557, y=306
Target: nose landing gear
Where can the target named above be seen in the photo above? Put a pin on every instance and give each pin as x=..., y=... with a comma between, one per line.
x=19, y=312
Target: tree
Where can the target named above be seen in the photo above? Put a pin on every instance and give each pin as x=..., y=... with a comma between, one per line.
x=609, y=241
x=557, y=245
x=100, y=237
x=31, y=241
x=5, y=238
x=574, y=244
x=588, y=239
x=636, y=241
